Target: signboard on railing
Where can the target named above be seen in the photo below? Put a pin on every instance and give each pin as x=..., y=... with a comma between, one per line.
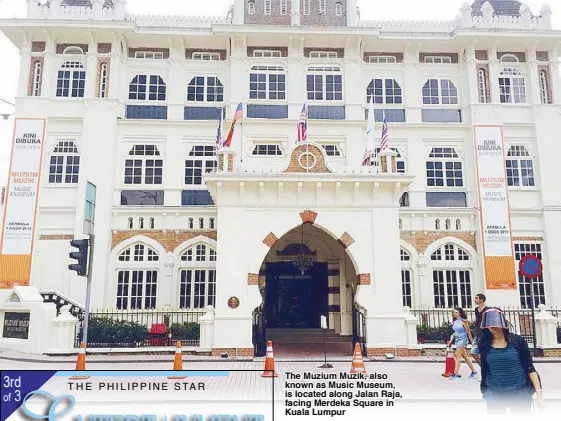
x=498, y=255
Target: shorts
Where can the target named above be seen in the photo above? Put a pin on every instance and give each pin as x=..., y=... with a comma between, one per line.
x=461, y=343
x=474, y=347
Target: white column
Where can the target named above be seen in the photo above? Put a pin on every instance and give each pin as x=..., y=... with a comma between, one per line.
x=207, y=330
x=63, y=332
x=471, y=69
x=115, y=70
x=352, y=18
x=533, y=78
x=91, y=70
x=494, y=72
x=546, y=329
x=239, y=85
x=25, y=69
x=50, y=70
x=295, y=12
x=176, y=78
x=297, y=93
x=355, y=96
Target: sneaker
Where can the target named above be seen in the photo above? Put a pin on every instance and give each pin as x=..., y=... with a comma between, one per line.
x=454, y=377
x=473, y=375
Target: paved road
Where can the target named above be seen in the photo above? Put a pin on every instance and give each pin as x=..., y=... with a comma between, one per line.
x=420, y=384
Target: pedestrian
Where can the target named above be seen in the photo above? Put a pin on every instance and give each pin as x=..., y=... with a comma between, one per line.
x=508, y=376
x=461, y=335
x=479, y=301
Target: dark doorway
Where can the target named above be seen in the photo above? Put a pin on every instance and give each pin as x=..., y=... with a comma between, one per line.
x=295, y=300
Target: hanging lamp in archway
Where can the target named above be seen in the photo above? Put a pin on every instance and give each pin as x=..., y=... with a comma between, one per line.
x=304, y=260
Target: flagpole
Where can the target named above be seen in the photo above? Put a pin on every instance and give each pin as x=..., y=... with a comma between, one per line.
x=307, y=144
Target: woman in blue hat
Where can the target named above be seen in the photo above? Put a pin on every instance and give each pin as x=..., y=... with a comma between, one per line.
x=508, y=376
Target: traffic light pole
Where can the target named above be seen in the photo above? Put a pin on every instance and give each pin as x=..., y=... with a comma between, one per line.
x=88, y=290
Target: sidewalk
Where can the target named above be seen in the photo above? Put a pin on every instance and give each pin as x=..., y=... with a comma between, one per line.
x=166, y=357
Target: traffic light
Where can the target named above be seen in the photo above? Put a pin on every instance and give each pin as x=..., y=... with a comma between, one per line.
x=81, y=256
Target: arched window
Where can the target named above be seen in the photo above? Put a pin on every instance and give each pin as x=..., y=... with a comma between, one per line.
x=451, y=277
x=141, y=223
x=267, y=83
x=458, y=225
x=211, y=223
x=64, y=163
x=71, y=80
x=251, y=8
x=103, y=80
x=267, y=7
x=151, y=223
x=201, y=160
x=482, y=86
x=440, y=91
x=205, y=88
x=544, y=87
x=201, y=223
x=324, y=83
x=130, y=223
x=448, y=225
x=519, y=167
x=153, y=84
x=509, y=58
x=191, y=226
x=143, y=167
x=283, y=7
x=512, y=86
x=137, y=278
x=197, y=277
x=406, y=278
x=384, y=91
x=400, y=223
x=36, y=90
x=322, y=7
x=73, y=50
x=437, y=224
x=444, y=168
x=338, y=9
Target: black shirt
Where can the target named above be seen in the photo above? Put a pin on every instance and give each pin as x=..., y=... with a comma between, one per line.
x=479, y=319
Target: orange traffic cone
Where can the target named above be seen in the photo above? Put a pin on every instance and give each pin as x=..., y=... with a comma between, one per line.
x=81, y=362
x=269, y=362
x=450, y=361
x=177, y=362
x=358, y=362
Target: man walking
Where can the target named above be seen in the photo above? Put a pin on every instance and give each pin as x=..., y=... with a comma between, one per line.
x=479, y=301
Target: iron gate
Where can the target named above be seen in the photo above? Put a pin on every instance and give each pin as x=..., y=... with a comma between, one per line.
x=359, y=328
x=259, y=332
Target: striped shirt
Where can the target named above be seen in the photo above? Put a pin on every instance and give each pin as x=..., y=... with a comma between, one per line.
x=505, y=370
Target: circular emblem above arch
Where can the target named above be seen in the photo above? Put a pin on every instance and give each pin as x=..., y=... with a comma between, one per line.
x=307, y=157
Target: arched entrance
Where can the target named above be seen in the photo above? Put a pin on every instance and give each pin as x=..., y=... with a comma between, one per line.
x=307, y=274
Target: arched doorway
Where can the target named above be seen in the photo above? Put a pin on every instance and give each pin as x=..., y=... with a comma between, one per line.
x=307, y=274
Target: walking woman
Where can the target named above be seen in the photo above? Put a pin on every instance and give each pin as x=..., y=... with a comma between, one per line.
x=461, y=334
x=508, y=376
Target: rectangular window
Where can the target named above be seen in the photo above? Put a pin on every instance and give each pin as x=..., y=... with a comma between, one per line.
x=267, y=53
x=142, y=197
x=446, y=115
x=136, y=289
x=444, y=199
x=306, y=7
x=196, y=198
x=267, y=150
x=197, y=288
x=283, y=7
x=406, y=288
x=206, y=56
x=325, y=112
x=438, y=60
x=152, y=55
x=382, y=59
x=323, y=54
x=267, y=111
x=524, y=283
x=332, y=150
x=147, y=112
x=267, y=7
x=452, y=288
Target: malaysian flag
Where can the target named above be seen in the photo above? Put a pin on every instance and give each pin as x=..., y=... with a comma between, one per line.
x=219, y=140
x=384, y=140
x=370, y=142
x=303, y=124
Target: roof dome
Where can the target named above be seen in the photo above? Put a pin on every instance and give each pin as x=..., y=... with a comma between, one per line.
x=501, y=7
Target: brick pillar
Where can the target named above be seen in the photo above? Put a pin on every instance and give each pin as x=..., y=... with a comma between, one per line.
x=226, y=160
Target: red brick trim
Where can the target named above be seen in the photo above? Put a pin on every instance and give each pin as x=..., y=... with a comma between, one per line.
x=270, y=240
x=241, y=352
x=542, y=55
x=56, y=237
x=364, y=279
x=38, y=46
x=401, y=352
x=61, y=47
x=168, y=239
x=308, y=216
x=482, y=55
x=252, y=279
x=103, y=48
x=346, y=240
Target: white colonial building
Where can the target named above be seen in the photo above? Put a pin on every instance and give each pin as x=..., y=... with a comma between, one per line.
x=268, y=227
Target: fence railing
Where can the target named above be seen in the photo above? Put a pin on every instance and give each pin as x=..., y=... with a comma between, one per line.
x=141, y=328
x=435, y=325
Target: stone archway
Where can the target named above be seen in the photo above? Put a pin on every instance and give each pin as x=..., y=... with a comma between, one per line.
x=294, y=297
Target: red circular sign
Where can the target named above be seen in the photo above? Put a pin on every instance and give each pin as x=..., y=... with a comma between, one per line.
x=530, y=266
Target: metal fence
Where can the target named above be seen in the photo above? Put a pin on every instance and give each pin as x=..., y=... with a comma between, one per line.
x=141, y=328
x=436, y=324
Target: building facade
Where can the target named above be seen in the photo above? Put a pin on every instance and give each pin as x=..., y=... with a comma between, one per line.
x=289, y=230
